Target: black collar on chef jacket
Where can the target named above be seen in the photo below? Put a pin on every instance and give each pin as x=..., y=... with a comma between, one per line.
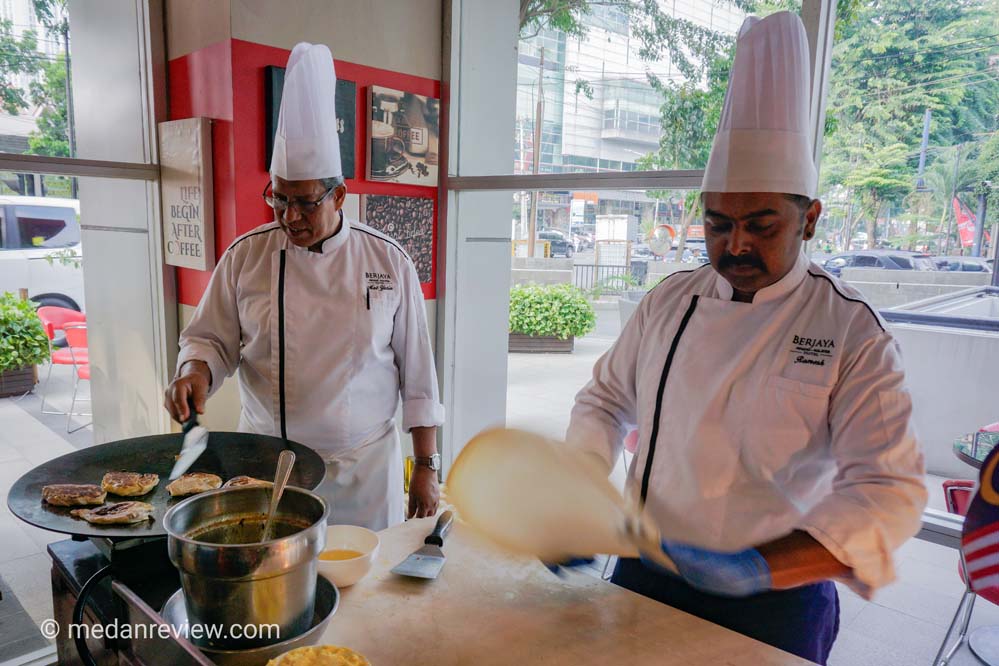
x=329, y=244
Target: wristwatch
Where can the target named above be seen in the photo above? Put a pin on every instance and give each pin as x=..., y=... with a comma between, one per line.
x=433, y=461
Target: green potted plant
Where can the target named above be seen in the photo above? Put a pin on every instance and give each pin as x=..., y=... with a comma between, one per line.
x=23, y=344
x=548, y=318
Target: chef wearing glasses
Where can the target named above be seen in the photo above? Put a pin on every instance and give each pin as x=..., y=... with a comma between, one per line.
x=324, y=320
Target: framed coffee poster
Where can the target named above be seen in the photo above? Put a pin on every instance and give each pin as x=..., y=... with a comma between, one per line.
x=409, y=221
x=345, y=109
x=404, y=136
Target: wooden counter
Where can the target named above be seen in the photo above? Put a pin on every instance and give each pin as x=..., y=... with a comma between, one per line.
x=486, y=608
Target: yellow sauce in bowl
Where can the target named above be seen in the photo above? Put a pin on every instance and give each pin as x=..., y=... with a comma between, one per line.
x=339, y=554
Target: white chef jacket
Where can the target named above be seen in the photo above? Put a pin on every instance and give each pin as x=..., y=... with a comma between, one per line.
x=326, y=342
x=756, y=419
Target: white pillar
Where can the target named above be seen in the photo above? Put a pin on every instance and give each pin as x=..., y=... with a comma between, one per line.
x=480, y=77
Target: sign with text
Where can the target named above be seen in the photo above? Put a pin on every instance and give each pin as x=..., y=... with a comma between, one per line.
x=186, y=193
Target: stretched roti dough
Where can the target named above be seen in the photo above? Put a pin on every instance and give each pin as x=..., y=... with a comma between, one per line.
x=534, y=496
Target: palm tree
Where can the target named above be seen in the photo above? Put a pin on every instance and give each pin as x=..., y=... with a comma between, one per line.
x=950, y=173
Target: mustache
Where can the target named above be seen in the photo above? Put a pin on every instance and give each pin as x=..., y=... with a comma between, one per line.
x=732, y=261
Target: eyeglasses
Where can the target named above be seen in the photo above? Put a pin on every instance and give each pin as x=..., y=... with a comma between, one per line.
x=305, y=207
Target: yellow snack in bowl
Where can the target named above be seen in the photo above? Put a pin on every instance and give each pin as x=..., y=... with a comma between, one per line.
x=320, y=655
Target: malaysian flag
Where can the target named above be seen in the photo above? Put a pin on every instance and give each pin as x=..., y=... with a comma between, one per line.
x=980, y=536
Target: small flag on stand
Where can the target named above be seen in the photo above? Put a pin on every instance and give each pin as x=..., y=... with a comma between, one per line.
x=980, y=536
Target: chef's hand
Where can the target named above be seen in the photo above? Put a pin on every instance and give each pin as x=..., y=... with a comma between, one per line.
x=424, y=492
x=193, y=383
x=725, y=574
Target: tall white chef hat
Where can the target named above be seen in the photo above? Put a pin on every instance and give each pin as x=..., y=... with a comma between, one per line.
x=306, y=145
x=763, y=142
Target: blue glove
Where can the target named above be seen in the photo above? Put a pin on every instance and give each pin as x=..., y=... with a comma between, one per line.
x=559, y=568
x=725, y=574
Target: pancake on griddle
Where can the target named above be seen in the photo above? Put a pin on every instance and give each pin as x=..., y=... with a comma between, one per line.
x=73, y=494
x=193, y=483
x=129, y=484
x=119, y=513
x=246, y=482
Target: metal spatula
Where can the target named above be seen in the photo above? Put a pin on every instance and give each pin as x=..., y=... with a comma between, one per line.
x=195, y=443
x=428, y=561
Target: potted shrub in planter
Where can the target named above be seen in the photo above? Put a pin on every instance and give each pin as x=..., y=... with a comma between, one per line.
x=23, y=344
x=548, y=318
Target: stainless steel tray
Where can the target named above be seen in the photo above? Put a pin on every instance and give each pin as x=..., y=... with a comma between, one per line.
x=327, y=600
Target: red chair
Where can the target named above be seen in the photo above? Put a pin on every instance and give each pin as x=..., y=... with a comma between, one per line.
x=958, y=495
x=56, y=319
x=59, y=318
x=76, y=339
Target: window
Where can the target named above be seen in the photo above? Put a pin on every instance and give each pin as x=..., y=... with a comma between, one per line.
x=866, y=261
x=902, y=262
x=838, y=262
x=114, y=57
x=599, y=102
x=893, y=62
x=610, y=18
x=46, y=227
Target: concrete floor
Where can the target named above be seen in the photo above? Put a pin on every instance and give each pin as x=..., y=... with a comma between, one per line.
x=29, y=438
x=904, y=624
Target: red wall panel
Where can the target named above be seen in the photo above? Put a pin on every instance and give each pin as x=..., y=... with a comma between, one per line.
x=226, y=82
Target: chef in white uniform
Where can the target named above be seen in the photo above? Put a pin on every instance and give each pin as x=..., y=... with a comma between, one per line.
x=775, y=445
x=324, y=319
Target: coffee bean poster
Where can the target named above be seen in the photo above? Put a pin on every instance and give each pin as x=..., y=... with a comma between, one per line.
x=407, y=220
x=345, y=109
x=403, y=137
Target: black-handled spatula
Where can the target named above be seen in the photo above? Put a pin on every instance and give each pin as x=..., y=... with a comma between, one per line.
x=428, y=561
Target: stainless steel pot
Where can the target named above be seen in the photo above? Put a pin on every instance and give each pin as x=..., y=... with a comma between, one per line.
x=231, y=580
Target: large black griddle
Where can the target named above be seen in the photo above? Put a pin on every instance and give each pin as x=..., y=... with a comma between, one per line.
x=228, y=454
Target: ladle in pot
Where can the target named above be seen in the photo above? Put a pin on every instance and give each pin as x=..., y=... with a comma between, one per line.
x=286, y=460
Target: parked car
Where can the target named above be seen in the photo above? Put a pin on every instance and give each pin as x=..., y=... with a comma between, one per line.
x=582, y=241
x=560, y=245
x=39, y=236
x=892, y=260
x=964, y=264
x=642, y=251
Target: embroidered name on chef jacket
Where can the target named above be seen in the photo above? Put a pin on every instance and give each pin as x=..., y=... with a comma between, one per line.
x=379, y=281
x=378, y=287
x=812, y=350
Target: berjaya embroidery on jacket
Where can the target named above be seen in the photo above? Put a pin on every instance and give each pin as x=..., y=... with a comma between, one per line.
x=812, y=350
x=379, y=281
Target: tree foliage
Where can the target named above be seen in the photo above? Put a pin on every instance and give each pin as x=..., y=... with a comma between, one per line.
x=49, y=95
x=53, y=15
x=895, y=59
x=18, y=56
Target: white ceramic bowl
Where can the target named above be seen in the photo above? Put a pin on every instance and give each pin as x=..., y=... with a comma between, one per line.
x=345, y=573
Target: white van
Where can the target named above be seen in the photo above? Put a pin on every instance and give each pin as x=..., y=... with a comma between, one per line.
x=40, y=249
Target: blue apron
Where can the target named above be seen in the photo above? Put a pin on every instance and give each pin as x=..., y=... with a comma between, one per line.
x=803, y=621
